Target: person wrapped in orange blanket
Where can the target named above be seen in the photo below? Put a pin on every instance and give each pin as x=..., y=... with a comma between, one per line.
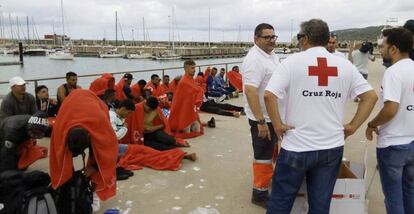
x=188, y=97
x=84, y=111
x=137, y=90
x=235, y=79
x=140, y=154
x=123, y=88
x=100, y=85
x=157, y=91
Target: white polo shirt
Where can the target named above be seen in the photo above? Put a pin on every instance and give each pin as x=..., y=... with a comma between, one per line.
x=398, y=86
x=315, y=86
x=257, y=68
x=340, y=54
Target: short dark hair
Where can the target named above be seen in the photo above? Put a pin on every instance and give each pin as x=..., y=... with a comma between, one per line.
x=166, y=76
x=189, y=62
x=78, y=139
x=40, y=87
x=200, y=74
x=142, y=82
x=128, y=104
x=222, y=69
x=152, y=102
x=234, y=67
x=409, y=25
x=70, y=74
x=154, y=76
x=317, y=32
x=214, y=68
x=400, y=38
x=259, y=28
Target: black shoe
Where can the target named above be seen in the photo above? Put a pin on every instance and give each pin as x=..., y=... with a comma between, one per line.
x=125, y=171
x=121, y=174
x=260, y=198
x=212, y=123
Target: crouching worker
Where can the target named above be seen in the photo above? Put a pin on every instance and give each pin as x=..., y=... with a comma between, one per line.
x=17, y=149
x=83, y=122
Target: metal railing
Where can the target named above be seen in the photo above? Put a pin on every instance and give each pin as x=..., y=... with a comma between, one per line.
x=163, y=72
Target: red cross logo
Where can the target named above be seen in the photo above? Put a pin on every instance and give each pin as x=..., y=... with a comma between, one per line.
x=323, y=71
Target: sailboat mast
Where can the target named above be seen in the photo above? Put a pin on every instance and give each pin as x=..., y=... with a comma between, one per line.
x=28, y=31
x=143, y=28
x=209, y=28
x=172, y=28
x=63, y=23
x=116, y=28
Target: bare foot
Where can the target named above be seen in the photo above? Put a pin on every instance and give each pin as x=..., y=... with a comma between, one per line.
x=192, y=156
x=183, y=144
x=236, y=114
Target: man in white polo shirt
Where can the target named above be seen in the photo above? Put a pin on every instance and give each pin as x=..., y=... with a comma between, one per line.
x=395, y=145
x=257, y=68
x=315, y=86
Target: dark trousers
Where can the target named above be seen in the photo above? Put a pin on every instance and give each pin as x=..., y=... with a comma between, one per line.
x=262, y=148
x=160, y=140
x=396, y=168
x=219, y=108
x=320, y=168
x=8, y=156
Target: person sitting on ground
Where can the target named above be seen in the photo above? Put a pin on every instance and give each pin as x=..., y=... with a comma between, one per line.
x=109, y=98
x=150, y=135
x=184, y=119
x=154, y=125
x=123, y=88
x=211, y=106
x=117, y=117
x=214, y=90
x=44, y=103
x=137, y=90
x=166, y=84
x=101, y=84
x=83, y=109
x=15, y=132
x=220, y=83
x=157, y=91
x=235, y=79
x=18, y=101
x=65, y=89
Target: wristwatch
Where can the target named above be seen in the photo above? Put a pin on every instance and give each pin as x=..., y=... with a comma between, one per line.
x=261, y=122
x=370, y=126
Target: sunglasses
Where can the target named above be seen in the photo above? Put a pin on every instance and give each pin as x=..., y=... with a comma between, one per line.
x=268, y=38
x=300, y=35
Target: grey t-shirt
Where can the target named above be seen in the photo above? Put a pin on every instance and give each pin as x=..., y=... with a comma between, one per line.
x=11, y=106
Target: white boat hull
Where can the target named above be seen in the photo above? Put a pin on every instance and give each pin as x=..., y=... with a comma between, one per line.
x=139, y=56
x=61, y=56
x=167, y=57
x=111, y=55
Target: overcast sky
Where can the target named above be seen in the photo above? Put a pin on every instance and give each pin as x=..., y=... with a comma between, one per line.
x=94, y=19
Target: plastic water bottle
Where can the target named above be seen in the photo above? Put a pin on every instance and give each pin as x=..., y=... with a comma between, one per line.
x=112, y=211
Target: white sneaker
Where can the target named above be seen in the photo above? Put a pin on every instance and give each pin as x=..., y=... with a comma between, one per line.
x=96, y=203
x=222, y=98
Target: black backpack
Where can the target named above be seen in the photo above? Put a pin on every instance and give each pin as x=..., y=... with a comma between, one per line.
x=37, y=198
x=75, y=196
x=25, y=193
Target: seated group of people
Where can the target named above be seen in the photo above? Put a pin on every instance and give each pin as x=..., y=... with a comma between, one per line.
x=124, y=126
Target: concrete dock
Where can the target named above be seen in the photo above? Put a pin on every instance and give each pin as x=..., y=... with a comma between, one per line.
x=221, y=178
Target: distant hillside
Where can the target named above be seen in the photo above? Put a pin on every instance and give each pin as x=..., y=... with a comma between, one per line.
x=364, y=34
